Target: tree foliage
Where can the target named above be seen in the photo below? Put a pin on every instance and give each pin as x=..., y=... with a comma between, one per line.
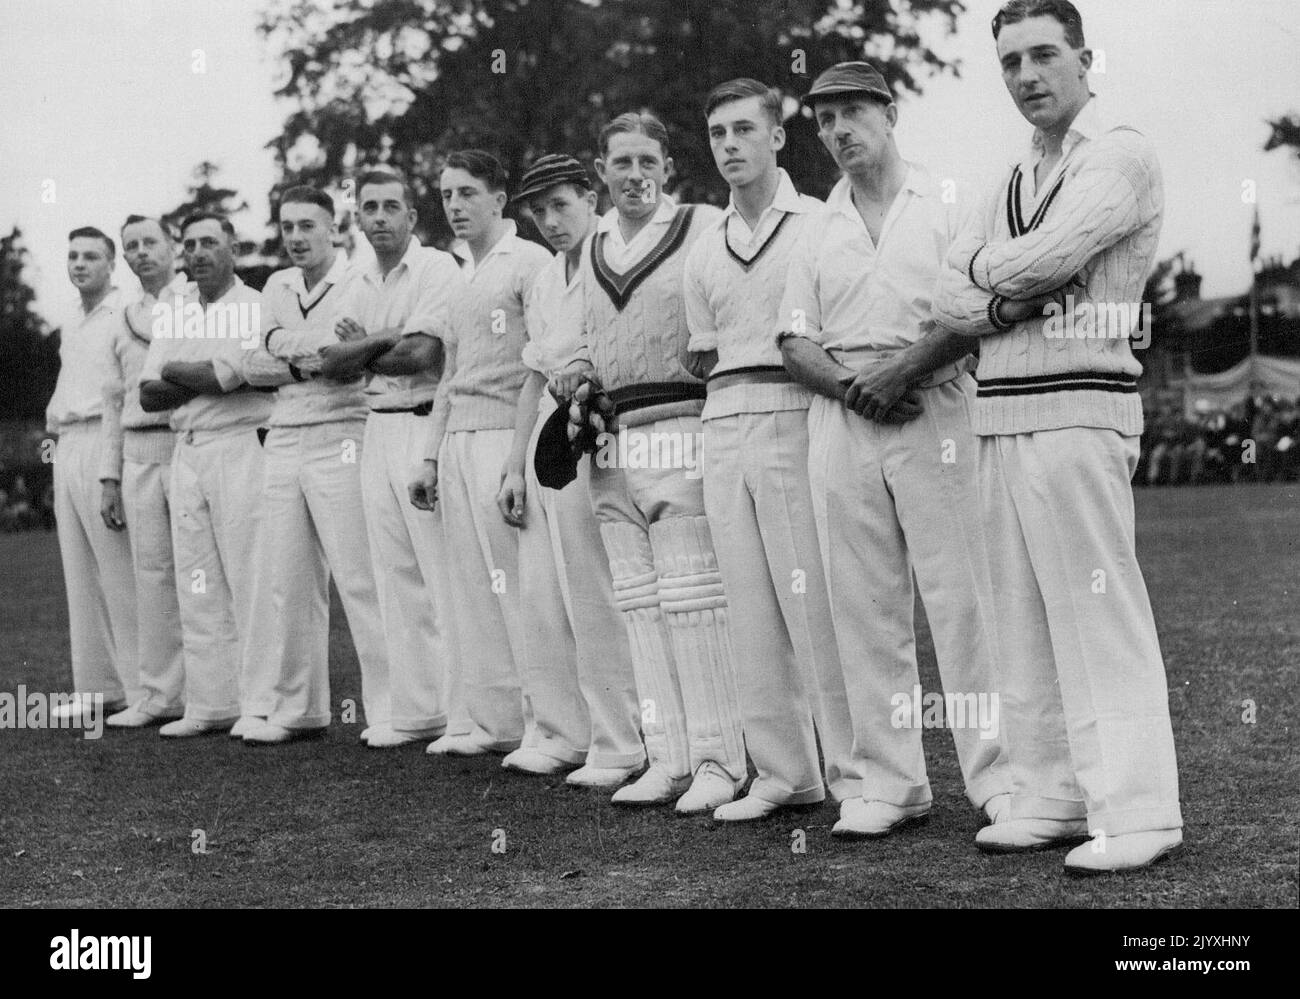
x=404, y=82
x=29, y=360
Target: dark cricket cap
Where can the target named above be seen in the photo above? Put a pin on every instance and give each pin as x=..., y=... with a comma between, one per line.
x=849, y=78
x=549, y=171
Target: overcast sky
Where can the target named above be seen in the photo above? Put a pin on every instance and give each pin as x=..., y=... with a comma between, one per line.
x=101, y=106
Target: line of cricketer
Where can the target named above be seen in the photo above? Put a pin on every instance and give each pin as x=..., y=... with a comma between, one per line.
x=641, y=628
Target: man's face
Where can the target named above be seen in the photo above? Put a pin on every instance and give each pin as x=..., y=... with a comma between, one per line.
x=855, y=129
x=308, y=234
x=148, y=250
x=89, y=265
x=1045, y=76
x=634, y=169
x=209, y=253
x=471, y=208
x=384, y=216
x=744, y=140
x=564, y=215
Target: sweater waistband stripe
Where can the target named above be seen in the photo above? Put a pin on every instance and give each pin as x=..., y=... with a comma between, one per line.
x=990, y=393
x=1116, y=377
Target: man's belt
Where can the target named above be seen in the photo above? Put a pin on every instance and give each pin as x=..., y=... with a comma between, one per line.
x=759, y=374
x=630, y=398
x=424, y=409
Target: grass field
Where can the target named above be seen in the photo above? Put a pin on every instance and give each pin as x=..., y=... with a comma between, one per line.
x=109, y=823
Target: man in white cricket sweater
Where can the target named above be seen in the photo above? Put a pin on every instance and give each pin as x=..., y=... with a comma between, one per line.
x=313, y=524
x=466, y=453
x=886, y=483
x=135, y=474
x=195, y=368
x=96, y=560
x=399, y=307
x=578, y=678
x=1085, y=708
x=756, y=491
x=645, y=479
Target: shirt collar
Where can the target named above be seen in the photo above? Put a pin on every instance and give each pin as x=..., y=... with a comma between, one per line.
x=112, y=299
x=787, y=198
x=332, y=276
x=1087, y=124
x=663, y=214
x=917, y=180
x=375, y=273
x=505, y=244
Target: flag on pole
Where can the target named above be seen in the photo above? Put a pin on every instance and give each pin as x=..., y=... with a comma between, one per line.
x=1254, y=236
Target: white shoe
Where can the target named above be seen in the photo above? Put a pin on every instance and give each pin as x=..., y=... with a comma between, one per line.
x=998, y=808
x=267, y=734
x=246, y=724
x=711, y=788
x=136, y=717
x=1126, y=852
x=601, y=777
x=531, y=761
x=188, y=728
x=654, y=787
x=750, y=808
x=458, y=745
x=862, y=819
x=387, y=737
x=1027, y=835
x=365, y=734
x=81, y=704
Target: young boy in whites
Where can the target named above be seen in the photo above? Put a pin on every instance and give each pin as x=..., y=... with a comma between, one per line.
x=96, y=560
x=578, y=676
x=312, y=519
x=216, y=476
x=756, y=491
x=469, y=442
x=399, y=309
x=1086, y=710
x=651, y=514
x=890, y=486
x=135, y=474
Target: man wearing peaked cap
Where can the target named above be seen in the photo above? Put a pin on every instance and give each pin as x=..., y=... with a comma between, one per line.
x=891, y=453
x=579, y=678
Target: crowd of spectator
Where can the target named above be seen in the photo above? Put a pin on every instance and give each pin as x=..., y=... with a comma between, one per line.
x=24, y=508
x=1253, y=441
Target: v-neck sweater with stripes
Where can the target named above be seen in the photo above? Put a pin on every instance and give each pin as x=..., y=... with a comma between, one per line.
x=733, y=303
x=1097, y=219
x=634, y=323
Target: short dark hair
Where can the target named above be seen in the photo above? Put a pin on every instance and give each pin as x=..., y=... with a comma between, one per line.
x=1015, y=11
x=224, y=222
x=385, y=177
x=643, y=122
x=305, y=194
x=90, y=232
x=481, y=164
x=738, y=90
x=133, y=219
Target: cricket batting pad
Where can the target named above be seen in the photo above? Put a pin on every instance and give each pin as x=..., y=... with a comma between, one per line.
x=695, y=607
x=636, y=594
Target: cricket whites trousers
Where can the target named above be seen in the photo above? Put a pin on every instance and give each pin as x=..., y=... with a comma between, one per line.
x=216, y=501
x=577, y=677
x=1085, y=704
x=788, y=673
x=97, y=572
x=314, y=528
x=146, y=500
x=406, y=554
x=890, y=499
